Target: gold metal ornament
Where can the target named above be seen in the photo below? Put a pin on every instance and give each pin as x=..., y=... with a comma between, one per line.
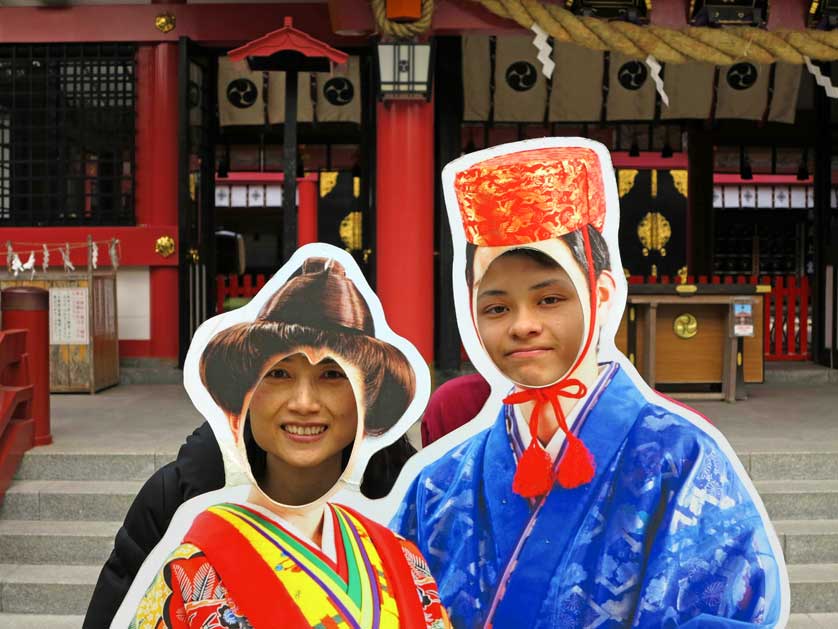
x=165, y=246
x=682, y=274
x=680, y=179
x=193, y=256
x=165, y=22
x=654, y=231
x=626, y=177
x=685, y=326
x=351, y=230
x=356, y=187
x=328, y=181
x=654, y=183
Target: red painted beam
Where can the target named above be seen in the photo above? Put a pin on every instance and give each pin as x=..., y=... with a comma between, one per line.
x=338, y=22
x=648, y=160
x=735, y=178
x=211, y=24
x=136, y=244
x=247, y=177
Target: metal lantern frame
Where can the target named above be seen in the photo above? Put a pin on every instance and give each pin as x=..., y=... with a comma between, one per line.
x=635, y=11
x=823, y=14
x=733, y=12
x=399, y=66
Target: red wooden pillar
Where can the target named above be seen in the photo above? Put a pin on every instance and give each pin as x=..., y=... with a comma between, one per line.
x=405, y=220
x=157, y=181
x=307, y=210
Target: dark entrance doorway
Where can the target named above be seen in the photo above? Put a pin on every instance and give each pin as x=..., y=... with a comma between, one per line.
x=196, y=194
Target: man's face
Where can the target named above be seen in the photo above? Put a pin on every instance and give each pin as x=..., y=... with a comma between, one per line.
x=530, y=319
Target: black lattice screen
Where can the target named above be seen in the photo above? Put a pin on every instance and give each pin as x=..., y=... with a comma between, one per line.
x=67, y=124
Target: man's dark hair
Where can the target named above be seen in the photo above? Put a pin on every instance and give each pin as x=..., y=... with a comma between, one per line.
x=575, y=242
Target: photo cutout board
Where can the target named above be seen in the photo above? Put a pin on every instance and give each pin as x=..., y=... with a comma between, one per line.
x=360, y=387
x=555, y=202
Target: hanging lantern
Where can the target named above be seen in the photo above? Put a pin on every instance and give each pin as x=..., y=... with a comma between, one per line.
x=636, y=11
x=823, y=14
x=405, y=70
x=736, y=12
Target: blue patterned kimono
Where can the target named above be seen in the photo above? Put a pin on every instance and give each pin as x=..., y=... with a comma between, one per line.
x=666, y=535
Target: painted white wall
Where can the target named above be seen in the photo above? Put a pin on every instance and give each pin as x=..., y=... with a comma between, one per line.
x=133, y=303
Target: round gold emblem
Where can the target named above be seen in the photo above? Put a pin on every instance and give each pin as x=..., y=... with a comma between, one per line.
x=165, y=22
x=685, y=326
x=165, y=246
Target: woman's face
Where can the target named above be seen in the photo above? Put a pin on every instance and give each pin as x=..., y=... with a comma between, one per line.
x=304, y=412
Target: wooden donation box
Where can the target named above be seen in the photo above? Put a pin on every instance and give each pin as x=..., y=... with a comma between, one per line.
x=83, y=341
x=700, y=341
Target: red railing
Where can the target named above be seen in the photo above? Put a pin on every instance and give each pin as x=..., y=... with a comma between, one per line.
x=17, y=427
x=786, y=310
x=236, y=286
x=788, y=303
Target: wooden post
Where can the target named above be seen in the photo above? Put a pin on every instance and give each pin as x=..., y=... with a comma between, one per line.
x=289, y=158
x=649, y=344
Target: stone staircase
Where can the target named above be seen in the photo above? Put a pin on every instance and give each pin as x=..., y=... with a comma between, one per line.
x=57, y=527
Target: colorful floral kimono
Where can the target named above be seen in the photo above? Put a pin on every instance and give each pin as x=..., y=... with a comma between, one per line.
x=239, y=569
x=666, y=535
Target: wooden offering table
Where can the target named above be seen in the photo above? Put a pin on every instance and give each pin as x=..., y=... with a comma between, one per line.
x=692, y=338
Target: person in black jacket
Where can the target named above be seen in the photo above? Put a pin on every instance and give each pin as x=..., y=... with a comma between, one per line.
x=198, y=469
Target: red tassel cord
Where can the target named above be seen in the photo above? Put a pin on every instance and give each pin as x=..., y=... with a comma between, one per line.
x=534, y=476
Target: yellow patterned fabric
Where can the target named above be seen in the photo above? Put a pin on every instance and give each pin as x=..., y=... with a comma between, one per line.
x=316, y=589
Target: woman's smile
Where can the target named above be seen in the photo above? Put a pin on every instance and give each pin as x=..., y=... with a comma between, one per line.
x=305, y=433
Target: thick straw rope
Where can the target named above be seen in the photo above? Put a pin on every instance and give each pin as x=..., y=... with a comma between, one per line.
x=402, y=30
x=720, y=46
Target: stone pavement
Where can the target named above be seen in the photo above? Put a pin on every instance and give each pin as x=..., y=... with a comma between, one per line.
x=59, y=517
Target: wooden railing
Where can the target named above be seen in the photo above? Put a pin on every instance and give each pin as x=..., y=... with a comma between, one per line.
x=17, y=427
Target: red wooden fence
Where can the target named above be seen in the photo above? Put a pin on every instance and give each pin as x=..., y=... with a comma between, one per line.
x=787, y=303
x=786, y=310
x=236, y=286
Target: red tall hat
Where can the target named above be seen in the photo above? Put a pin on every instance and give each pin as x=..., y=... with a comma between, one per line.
x=528, y=196
x=522, y=198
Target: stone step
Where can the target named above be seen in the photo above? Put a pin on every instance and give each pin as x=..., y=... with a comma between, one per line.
x=46, y=589
x=813, y=621
x=100, y=501
x=46, y=464
x=791, y=465
x=799, y=499
x=814, y=588
x=56, y=542
x=808, y=541
x=39, y=621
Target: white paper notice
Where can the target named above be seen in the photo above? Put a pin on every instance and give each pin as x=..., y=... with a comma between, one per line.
x=68, y=316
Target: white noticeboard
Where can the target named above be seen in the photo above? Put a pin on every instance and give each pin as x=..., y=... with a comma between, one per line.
x=68, y=316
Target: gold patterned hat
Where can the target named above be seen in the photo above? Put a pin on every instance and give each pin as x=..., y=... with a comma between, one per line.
x=528, y=196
